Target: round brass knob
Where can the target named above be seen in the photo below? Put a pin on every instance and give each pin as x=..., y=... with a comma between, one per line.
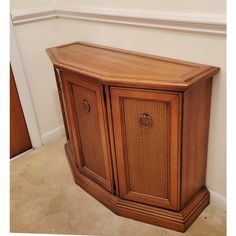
x=146, y=120
x=84, y=105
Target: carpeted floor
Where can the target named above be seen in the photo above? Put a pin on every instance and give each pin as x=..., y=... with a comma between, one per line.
x=44, y=199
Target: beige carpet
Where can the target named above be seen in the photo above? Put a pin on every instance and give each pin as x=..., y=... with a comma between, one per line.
x=44, y=199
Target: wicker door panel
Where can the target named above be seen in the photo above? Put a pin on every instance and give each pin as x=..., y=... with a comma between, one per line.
x=145, y=157
x=147, y=146
x=90, y=130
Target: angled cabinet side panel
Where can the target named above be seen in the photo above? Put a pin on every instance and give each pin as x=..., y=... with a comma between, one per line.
x=62, y=100
x=196, y=115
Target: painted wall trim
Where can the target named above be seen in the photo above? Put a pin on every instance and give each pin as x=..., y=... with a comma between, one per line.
x=217, y=200
x=28, y=15
x=198, y=23
x=53, y=134
x=24, y=92
x=23, y=154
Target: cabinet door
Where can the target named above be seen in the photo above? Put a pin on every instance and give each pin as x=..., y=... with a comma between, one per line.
x=146, y=130
x=88, y=129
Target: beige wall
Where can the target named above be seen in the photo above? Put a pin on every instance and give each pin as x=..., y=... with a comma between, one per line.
x=23, y=4
x=187, y=6
x=33, y=38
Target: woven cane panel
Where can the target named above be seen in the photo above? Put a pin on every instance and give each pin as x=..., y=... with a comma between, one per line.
x=147, y=146
x=89, y=130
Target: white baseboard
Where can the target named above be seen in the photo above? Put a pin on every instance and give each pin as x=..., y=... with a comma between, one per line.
x=21, y=154
x=53, y=134
x=218, y=200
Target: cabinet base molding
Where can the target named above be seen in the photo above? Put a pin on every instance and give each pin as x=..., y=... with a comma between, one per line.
x=179, y=221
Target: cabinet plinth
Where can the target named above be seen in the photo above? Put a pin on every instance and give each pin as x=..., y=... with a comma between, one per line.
x=137, y=130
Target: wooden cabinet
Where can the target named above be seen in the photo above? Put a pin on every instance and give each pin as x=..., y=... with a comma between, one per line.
x=137, y=130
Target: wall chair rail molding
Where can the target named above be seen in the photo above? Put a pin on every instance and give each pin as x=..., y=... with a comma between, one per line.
x=22, y=16
x=198, y=23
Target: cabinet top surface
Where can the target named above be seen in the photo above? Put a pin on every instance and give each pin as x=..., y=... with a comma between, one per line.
x=112, y=66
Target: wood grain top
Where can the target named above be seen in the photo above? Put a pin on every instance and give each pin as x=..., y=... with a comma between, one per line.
x=115, y=66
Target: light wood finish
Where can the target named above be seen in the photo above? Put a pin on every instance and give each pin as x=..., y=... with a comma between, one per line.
x=121, y=67
x=137, y=130
x=19, y=135
x=195, y=139
x=62, y=100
